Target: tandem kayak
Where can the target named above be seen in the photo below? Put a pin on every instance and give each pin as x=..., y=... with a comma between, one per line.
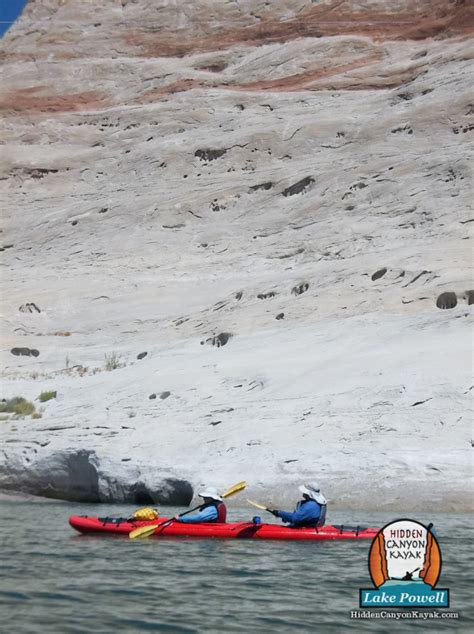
x=237, y=530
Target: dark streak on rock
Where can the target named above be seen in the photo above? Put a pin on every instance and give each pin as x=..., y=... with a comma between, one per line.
x=416, y=277
x=29, y=308
x=421, y=402
x=298, y=187
x=266, y=186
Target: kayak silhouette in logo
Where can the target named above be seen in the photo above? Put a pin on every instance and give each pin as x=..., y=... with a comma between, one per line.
x=409, y=575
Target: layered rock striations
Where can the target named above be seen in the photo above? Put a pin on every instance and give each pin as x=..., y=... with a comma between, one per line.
x=235, y=240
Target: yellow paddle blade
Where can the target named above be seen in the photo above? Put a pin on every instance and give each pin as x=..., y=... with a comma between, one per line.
x=240, y=486
x=143, y=531
x=259, y=506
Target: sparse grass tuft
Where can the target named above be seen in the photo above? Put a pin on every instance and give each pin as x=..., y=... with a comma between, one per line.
x=37, y=415
x=4, y=418
x=46, y=396
x=17, y=405
x=112, y=361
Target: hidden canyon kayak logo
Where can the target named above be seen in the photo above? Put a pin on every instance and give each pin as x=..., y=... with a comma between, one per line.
x=405, y=565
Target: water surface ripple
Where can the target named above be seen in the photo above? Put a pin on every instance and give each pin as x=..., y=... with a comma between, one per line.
x=57, y=582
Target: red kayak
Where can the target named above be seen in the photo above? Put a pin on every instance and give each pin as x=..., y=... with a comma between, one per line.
x=236, y=530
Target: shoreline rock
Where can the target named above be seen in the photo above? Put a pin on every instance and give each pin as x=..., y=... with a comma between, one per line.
x=79, y=476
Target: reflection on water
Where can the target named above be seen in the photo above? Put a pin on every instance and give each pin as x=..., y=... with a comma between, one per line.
x=58, y=582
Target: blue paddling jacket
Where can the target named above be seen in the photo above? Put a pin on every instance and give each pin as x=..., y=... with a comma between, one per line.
x=306, y=513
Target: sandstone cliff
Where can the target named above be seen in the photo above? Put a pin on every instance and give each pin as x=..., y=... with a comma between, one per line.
x=272, y=201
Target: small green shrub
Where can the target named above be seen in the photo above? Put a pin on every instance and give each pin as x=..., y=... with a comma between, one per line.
x=17, y=405
x=4, y=418
x=46, y=396
x=112, y=361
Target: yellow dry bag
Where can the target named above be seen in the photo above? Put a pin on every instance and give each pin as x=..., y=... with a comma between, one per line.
x=146, y=513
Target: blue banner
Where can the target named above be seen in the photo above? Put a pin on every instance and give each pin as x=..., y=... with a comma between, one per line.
x=404, y=594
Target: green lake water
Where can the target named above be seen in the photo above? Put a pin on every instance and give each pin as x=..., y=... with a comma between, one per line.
x=54, y=581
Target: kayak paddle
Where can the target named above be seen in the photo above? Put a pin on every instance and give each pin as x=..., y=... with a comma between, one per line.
x=146, y=531
x=259, y=506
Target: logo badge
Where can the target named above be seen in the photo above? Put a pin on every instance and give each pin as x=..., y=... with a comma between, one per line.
x=405, y=565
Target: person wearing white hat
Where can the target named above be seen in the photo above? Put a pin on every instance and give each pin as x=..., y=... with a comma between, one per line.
x=212, y=509
x=310, y=511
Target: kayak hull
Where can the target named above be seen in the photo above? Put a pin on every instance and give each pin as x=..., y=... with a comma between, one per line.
x=237, y=530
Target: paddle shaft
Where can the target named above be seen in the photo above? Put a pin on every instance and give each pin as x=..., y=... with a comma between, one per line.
x=260, y=506
x=172, y=519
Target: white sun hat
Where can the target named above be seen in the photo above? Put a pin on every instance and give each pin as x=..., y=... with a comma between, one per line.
x=210, y=492
x=313, y=491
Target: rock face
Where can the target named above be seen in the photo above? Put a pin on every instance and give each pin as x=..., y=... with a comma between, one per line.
x=81, y=476
x=287, y=182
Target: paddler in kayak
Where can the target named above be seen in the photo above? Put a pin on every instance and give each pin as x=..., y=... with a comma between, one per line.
x=310, y=511
x=212, y=509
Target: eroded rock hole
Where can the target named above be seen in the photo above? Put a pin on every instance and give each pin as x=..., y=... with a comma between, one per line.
x=209, y=155
x=219, y=340
x=142, y=497
x=359, y=185
x=447, y=300
x=378, y=274
x=265, y=186
x=24, y=352
x=300, y=288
